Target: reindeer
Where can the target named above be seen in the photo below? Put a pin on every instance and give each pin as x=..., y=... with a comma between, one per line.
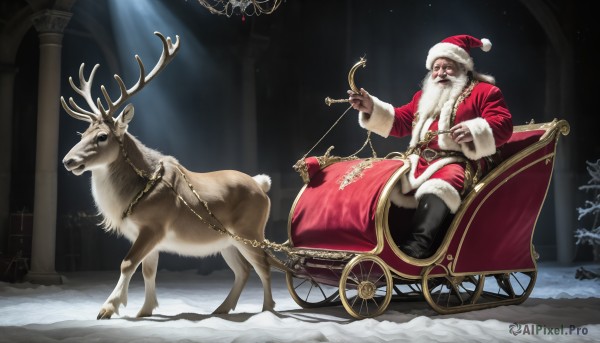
x=158, y=204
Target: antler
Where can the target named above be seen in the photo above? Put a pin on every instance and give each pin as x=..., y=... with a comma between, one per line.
x=85, y=91
x=168, y=53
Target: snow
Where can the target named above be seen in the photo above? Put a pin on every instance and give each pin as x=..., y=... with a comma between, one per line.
x=558, y=308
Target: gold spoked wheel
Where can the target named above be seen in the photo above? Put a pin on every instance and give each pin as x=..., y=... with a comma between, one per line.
x=451, y=294
x=366, y=286
x=310, y=294
x=448, y=294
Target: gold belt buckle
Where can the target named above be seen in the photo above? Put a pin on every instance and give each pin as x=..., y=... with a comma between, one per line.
x=429, y=154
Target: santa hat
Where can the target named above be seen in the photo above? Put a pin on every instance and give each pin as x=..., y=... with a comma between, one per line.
x=457, y=49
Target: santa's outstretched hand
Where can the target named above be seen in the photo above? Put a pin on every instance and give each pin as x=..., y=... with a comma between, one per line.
x=361, y=101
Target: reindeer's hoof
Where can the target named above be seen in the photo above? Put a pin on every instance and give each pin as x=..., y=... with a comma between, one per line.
x=104, y=314
x=270, y=306
x=143, y=314
x=220, y=311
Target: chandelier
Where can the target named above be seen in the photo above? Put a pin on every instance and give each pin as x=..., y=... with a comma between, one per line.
x=245, y=7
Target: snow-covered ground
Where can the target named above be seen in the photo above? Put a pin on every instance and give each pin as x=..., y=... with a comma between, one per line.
x=560, y=309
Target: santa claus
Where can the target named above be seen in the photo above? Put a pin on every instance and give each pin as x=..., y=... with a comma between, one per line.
x=456, y=121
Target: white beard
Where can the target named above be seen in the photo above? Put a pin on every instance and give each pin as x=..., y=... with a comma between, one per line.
x=437, y=100
x=435, y=94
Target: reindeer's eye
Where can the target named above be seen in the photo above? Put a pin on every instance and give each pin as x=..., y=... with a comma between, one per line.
x=102, y=137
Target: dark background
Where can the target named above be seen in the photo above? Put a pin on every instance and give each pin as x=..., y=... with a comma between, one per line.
x=300, y=54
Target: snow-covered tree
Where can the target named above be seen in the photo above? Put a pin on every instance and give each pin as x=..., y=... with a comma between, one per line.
x=591, y=208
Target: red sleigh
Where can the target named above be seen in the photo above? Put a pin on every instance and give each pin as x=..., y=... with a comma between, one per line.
x=342, y=229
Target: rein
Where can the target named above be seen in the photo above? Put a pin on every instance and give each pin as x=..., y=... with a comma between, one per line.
x=368, y=141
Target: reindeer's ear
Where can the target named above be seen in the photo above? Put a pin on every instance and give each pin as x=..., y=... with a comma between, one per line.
x=124, y=118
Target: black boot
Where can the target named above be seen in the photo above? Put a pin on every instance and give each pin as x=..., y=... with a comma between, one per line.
x=431, y=213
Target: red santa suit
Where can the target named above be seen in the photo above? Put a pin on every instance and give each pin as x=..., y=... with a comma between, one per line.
x=438, y=167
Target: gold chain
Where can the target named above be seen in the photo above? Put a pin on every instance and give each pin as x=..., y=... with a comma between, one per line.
x=264, y=244
x=368, y=141
x=151, y=181
x=465, y=94
x=219, y=227
x=138, y=171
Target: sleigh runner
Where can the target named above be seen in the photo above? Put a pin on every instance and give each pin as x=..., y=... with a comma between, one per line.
x=343, y=233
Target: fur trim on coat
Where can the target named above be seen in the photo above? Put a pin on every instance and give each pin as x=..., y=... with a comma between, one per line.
x=381, y=120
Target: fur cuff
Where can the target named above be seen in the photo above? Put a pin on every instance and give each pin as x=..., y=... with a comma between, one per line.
x=402, y=200
x=381, y=120
x=443, y=190
x=483, y=139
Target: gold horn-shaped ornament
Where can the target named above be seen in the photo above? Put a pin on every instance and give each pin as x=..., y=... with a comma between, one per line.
x=361, y=63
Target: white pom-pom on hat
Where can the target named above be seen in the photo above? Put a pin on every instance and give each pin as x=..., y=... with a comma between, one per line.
x=486, y=44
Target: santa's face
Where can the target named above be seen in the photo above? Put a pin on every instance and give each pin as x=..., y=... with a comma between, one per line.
x=444, y=82
x=444, y=71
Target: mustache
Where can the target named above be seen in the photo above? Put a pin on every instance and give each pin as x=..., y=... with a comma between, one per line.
x=452, y=79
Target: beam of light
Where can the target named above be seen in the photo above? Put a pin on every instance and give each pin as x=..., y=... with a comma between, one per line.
x=167, y=114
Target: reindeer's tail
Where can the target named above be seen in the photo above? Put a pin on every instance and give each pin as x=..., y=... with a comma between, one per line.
x=264, y=181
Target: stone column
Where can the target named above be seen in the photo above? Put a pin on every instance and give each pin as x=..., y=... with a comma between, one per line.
x=7, y=83
x=50, y=25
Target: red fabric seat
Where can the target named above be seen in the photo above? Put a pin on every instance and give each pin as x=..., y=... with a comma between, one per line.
x=330, y=215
